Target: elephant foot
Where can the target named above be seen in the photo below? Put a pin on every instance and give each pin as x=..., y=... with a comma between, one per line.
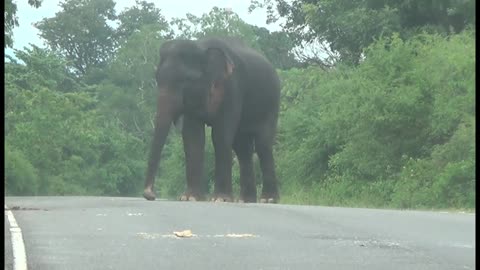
x=248, y=194
x=222, y=198
x=269, y=199
x=149, y=194
x=189, y=197
x=247, y=199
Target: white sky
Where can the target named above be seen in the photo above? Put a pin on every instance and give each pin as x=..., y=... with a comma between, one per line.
x=26, y=33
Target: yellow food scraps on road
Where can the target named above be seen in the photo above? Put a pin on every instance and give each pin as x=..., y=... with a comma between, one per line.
x=184, y=234
x=148, y=235
x=234, y=235
x=189, y=234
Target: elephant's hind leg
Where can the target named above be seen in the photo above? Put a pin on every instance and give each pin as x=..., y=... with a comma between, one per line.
x=243, y=147
x=264, y=148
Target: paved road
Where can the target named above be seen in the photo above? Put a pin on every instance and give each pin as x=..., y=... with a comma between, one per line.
x=132, y=233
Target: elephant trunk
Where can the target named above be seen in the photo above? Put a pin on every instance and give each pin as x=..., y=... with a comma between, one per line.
x=168, y=108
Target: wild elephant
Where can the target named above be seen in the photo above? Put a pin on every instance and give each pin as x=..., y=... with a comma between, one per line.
x=222, y=83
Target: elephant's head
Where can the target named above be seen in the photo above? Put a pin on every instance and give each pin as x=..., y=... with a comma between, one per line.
x=194, y=75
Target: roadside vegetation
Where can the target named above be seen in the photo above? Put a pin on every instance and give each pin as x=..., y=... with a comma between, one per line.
x=379, y=114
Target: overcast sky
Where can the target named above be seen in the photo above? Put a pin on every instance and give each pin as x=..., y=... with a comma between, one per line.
x=27, y=15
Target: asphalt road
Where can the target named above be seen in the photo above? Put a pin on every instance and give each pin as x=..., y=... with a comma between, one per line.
x=132, y=233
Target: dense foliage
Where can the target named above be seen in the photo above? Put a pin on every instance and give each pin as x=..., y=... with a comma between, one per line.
x=397, y=130
x=392, y=128
x=350, y=26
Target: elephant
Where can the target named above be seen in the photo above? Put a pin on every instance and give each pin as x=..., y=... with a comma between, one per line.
x=226, y=85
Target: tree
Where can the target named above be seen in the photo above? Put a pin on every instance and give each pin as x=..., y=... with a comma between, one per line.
x=350, y=26
x=276, y=46
x=400, y=126
x=129, y=90
x=11, y=20
x=81, y=33
x=218, y=22
x=141, y=14
x=42, y=67
x=58, y=141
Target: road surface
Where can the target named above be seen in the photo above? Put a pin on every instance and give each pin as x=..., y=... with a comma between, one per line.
x=132, y=233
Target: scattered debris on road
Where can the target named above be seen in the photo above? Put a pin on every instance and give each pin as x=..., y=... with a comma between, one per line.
x=234, y=235
x=184, y=234
x=155, y=235
x=189, y=234
x=134, y=214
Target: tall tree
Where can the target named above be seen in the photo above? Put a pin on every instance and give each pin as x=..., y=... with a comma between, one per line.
x=57, y=140
x=43, y=67
x=217, y=22
x=81, y=32
x=129, y=91
x=141, y=14
x=11, y=20
x=277, y=47
x=350, y=26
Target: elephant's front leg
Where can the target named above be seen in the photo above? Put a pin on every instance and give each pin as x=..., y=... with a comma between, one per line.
x=222, y=142
x=193, y=134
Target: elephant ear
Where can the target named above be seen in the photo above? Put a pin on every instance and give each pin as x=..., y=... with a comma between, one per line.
x=219, y=69
x=219, y=64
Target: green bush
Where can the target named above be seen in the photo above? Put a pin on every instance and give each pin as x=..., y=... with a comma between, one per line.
x=413, y=188
x=20, y=176
x=455, y=186
x=396, y=130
